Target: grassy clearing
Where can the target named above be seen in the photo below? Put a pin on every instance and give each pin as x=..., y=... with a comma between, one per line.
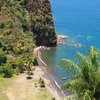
x=19, y=88
x=45, y=95
x=4, y=84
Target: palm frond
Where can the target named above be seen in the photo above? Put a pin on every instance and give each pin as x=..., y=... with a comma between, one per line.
x=75, y=85
x=93, y=53
x=86, y=75
x=97, y=91
x=85, y=95
x=83, y=60
x=71, y=66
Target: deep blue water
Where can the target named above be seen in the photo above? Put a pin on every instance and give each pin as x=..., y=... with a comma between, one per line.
x=80, y=20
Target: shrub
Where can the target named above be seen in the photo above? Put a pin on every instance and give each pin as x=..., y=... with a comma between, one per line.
x=41, y=82
x=2, y=57
x=6, y=70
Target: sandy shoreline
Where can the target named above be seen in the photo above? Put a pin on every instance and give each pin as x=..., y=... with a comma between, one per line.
x=44, y=72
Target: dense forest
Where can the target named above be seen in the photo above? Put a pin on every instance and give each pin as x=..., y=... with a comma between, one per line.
x=24, y=24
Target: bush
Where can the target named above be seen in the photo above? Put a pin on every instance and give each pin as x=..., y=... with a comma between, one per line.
x=41, y=82
x=53, y=98
x=6, y=70
x=2, y=57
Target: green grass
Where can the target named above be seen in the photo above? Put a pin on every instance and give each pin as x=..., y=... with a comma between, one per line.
x=44, y=95
x=22, y=89
x=4, y=83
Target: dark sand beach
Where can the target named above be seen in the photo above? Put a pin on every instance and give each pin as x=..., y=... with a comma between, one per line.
x=46, y=74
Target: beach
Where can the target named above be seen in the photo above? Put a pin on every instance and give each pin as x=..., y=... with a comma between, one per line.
x=43, y=71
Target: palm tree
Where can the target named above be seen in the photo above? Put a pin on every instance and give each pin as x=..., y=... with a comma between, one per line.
x=85, y=82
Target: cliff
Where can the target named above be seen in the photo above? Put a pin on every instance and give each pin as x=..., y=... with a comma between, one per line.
x=41, y=22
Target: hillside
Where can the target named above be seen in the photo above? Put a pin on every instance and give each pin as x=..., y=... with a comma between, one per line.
x=41, y=21
x=23, y=25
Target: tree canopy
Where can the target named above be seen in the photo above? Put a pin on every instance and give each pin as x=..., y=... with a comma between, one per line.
x=16, y=41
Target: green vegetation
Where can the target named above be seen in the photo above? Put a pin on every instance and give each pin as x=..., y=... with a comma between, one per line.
x=85, y=83
x=16, y=41
x=41, y=22
x=23, y=23
x=20, y=89
x=41, y=82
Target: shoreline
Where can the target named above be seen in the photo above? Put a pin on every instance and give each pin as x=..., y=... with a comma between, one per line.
x=61, y=39
x=52, y=86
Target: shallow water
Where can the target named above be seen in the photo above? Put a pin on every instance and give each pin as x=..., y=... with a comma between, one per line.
x=80, y=20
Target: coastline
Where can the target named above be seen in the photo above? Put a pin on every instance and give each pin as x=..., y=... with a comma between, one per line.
x=45, y=73
x=61, y=39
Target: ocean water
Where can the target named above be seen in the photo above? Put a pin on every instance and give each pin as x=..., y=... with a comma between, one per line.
x=80, y=20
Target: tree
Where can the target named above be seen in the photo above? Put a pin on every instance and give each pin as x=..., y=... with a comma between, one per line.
x=85, y=83
x=16, y=41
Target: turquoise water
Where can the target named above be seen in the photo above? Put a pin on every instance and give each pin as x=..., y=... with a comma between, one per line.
x=80, y=20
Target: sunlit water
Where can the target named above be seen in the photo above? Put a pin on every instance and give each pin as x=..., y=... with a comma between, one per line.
x=80, y=20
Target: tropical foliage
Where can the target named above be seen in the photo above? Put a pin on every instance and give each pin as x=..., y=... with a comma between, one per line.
x=41, y=82
x=23, y=23
x=85, y=83
x=41, y=21
x=16, y=41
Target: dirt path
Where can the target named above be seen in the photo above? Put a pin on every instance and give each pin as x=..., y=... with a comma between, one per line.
x=10, y=96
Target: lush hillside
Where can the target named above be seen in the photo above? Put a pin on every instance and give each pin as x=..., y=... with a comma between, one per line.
x=41, y=21
x=23, y=23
